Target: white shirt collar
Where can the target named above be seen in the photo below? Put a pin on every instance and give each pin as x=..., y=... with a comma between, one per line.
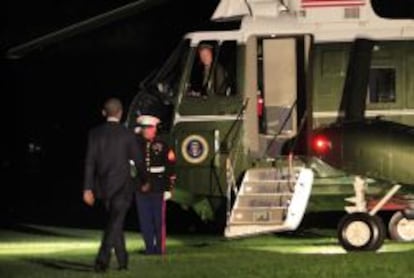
x=112, y=119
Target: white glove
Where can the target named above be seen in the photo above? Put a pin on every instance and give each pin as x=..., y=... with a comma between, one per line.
x=167, y=195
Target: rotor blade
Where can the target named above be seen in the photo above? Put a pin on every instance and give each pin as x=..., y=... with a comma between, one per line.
x=82, y=26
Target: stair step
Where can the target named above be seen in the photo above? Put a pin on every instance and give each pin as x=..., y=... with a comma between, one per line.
x=242, y=223
x=264, y=208
x=246, y=230
x=260, y=187
x=264, y=200
x=269, y=202
x=270, y=181
x=271, y=174
x=274, y=216
x=260, y=195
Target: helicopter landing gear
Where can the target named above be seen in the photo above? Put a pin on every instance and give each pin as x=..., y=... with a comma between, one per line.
x=360, y=229
x=401, y=228
x=361, y=232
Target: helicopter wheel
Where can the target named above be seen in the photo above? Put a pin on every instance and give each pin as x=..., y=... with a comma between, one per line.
x=401, y=228
x=361, y=232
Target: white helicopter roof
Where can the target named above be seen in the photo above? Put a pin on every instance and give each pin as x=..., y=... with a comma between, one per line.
x=327, y=20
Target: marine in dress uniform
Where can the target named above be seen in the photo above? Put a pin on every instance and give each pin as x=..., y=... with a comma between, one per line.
x=151, y=197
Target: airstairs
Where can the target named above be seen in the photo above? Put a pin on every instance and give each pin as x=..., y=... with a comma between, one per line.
x=268, y=200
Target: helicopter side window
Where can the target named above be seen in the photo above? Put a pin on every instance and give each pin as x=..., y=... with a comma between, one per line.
x=213, y=70
x=382, y=85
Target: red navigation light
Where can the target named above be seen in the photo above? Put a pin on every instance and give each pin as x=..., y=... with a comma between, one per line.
x=321, y=144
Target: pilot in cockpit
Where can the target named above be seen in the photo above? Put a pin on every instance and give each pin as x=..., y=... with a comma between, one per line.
x=208, y=76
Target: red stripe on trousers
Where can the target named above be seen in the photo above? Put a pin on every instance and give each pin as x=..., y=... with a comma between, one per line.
x=163, y=228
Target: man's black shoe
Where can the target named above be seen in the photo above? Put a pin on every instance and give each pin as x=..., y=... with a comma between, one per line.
x=99, y=267
x=123, y=268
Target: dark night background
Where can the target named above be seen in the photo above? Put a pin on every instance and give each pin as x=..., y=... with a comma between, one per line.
x=51, y=97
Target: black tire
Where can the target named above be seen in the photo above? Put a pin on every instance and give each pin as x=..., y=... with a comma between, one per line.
x=374, y=228
x=382, y=233
x=395, y=230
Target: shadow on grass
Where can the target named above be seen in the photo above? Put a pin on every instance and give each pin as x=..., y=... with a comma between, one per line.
x=62, y=264
x=304, y=234
x=202, y=242
x=187, y=248
x=41, y=231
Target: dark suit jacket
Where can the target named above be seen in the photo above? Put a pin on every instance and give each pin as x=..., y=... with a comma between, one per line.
x=107, y=169
x=218, y=80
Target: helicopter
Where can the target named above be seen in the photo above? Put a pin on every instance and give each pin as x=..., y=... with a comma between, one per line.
x=289, y=133
x=293, y=56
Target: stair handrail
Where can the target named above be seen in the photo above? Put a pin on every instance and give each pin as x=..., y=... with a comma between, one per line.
x=231, y=187
x=293, y=145
x=230, y=151
x=289, y=115
x=231, y=162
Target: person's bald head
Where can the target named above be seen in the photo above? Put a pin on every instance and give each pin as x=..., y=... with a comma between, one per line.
x=112, y=108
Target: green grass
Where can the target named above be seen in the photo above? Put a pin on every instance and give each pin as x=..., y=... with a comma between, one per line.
x=58, y=252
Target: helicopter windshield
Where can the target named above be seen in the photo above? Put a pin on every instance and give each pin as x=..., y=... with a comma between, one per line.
x=212, y=86
x=166, y=80
x=158, y=90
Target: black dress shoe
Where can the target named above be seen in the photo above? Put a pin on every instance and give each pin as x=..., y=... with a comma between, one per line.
x=100, y=267
x=123, y=268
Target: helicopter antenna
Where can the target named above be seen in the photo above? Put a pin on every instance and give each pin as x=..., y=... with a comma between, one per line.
x=82, y=26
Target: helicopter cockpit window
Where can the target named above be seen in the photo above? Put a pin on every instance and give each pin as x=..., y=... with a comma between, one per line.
x=213, y=70
x=167, y=79
x=382, y=85
x=158, y=90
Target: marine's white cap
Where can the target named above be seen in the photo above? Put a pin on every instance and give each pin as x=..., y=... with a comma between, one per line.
x=147, y=120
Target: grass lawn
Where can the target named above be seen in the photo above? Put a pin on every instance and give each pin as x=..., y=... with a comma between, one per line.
x=38, y=251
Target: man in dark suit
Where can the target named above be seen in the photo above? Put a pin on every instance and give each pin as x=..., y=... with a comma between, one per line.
x=111, y=148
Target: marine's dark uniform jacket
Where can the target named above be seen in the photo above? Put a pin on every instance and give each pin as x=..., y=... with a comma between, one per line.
x=158, y=163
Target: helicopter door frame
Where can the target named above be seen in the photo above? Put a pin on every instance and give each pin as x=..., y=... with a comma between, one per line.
x=299, y=48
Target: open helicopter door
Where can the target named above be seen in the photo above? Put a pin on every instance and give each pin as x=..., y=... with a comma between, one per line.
x=274, y=199
x=281, y=83
x=278, y=75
